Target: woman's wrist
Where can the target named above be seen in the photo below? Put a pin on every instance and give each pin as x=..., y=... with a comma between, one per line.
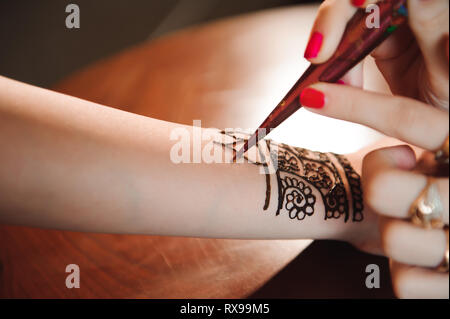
x=314, y=195
x=117, y=166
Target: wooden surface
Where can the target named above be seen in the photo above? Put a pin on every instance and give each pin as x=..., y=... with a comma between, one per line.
x=228, y=74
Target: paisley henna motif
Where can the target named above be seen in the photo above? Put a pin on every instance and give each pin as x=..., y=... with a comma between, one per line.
x=302, y=175
x=317, y=169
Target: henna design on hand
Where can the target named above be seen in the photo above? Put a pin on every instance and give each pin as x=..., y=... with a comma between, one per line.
x=354, y=182
x=263, y=162
x=301, y=175
x=297, y=198
x=317, y=169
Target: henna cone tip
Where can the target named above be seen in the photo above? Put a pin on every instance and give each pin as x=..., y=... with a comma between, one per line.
x=240, y=153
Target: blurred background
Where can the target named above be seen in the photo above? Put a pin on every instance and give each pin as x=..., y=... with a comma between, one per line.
x=37, y=48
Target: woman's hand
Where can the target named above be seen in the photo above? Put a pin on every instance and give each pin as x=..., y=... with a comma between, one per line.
x=414, y=60
x=392, y=180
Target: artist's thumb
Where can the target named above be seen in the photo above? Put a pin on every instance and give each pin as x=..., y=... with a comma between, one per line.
x=429, y=21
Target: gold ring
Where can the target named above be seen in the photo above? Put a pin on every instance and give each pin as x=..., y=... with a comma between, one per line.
x=443, y=267
x=427, y=210
x=442, y=155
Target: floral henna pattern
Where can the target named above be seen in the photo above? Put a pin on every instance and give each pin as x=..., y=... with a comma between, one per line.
x=302, y=175
x=318, y=170
x=355, y=187
x=298, y=198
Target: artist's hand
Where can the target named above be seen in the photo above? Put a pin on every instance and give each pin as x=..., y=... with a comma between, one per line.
x=392, y=178
x=414, y=60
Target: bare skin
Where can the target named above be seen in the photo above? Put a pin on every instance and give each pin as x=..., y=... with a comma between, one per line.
x=72, y=164
x=414, y=63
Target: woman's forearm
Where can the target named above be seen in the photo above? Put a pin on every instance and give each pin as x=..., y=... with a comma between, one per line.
x=71, y=164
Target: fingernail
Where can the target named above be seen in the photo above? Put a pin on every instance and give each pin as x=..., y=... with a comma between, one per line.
x=358, y=3
x=312, y=98
x=340, y=82
x=314, y=45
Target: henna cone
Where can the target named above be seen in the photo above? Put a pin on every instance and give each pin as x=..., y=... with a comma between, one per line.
x=357, y=42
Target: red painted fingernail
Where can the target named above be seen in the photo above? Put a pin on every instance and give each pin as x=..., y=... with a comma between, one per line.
x=312, y=98
x=314, y=45
x=340, y=82
x=358, y=3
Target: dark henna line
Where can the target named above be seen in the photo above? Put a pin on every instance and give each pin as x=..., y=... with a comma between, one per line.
x=298, y=171
x=268, y=192
x=233, y=144
x=227, y=146
x=295, y=196
x=265, y=165
x=280, y=194
x=313, y=167
x=354, y=181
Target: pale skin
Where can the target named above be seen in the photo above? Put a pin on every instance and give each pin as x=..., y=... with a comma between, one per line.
x=71, y=164
x=415, y=64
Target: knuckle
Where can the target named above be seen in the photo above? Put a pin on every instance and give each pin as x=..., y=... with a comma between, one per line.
x=369, y=158
x=366, y=168
x=374, y=192
x=387, y=232
x=367, y=171
x=403, y=119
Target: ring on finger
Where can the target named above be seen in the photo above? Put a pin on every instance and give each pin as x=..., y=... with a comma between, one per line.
x=427, y=210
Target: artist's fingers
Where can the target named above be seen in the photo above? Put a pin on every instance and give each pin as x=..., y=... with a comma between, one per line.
x=406, y=119
x=394, y=46
x=354, y=77
x=410, y=282
x=390, y=188
x=329, y=27
x=429, y=21
x=395, y=58
x=409, y=244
